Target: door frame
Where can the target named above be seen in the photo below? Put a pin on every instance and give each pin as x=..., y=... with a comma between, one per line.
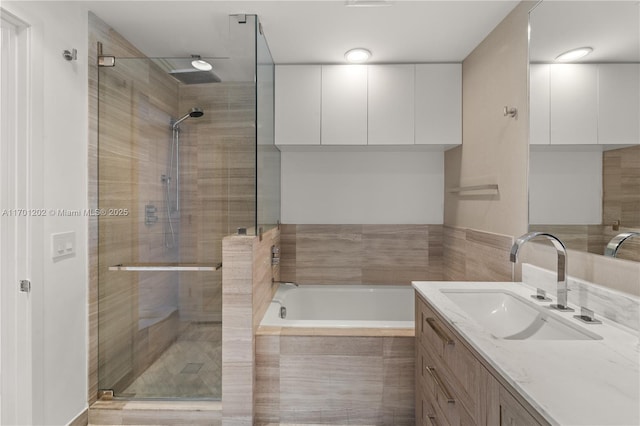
x=17, y=237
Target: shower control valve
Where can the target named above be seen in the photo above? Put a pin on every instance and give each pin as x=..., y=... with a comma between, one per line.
x=150, y=216
x=275, y=255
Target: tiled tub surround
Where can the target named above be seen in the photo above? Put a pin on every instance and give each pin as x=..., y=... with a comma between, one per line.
x=576, y=382
x=361, y=254
x=339, y=357
x=343, y=379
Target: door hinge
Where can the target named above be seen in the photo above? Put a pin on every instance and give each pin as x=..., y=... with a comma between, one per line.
x=105, y=394
x=25, y=286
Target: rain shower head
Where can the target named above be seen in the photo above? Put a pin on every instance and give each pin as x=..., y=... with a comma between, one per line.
x=194, y=112
x=194, y=76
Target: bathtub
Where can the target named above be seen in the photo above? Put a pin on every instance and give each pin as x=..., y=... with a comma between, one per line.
x=342, y=355
x=347, y=306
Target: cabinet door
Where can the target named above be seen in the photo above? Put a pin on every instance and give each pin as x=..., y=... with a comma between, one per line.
x=391, y=105
x=438, y=104
x=619, y=104
x=539, y=104
x=344, y=105
x=574, y=104
x=512, y=413
x=297, y=105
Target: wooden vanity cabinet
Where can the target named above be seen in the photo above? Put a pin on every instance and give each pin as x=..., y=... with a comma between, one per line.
x=455, y=385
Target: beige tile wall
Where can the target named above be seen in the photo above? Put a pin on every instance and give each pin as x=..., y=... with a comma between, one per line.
x=246, y=292
x=471, y=255
x=335, y=380
x=593, y=238
x=621, y=187
x=361, y=254
x=494, y=148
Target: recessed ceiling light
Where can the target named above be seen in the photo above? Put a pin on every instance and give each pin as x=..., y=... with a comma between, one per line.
x=200, y=64
x=357, y=55
x=574, y=54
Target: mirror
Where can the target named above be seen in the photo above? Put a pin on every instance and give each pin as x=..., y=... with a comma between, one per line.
x=584, y=162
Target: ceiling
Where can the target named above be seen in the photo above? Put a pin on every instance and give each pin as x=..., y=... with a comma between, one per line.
x=310, y=31
x=611, y=28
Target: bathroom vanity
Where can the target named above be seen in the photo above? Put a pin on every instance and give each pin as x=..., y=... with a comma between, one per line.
x=488, y=353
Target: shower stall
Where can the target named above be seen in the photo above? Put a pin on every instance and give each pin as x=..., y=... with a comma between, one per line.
x=185, y=157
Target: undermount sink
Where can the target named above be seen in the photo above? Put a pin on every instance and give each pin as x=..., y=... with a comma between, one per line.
x=509, y=316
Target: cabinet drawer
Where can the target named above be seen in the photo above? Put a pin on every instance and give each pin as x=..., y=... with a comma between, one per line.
x=438, y=388
x=431, y=415
x=462, y=370
x=432, y=333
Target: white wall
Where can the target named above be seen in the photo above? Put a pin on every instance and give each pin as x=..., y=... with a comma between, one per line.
x=341, y=187
x=59, y=124
x=565, y=187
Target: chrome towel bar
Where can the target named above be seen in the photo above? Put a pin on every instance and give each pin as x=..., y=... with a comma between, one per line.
x=179, y=267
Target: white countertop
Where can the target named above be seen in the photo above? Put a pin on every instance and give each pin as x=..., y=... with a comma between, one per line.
x=570, y=382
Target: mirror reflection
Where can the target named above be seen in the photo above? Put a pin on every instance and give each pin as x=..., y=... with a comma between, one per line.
x=584, y=171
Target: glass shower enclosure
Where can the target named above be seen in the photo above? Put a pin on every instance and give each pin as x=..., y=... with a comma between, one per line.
x=184, y=158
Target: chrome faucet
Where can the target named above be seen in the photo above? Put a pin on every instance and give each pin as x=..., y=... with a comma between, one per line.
x=283, y=310
x=616, y=242
x=562, y=264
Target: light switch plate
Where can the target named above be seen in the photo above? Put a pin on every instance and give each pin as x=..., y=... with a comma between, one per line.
x=63, y=245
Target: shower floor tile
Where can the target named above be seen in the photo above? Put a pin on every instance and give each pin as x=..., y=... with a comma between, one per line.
x=190, y=368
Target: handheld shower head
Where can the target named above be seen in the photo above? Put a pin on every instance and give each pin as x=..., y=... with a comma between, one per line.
x=193, y=112
x=196, y=112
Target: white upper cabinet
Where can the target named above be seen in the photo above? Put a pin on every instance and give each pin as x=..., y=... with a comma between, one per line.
x=399, y=104
x=619, y=104
x=438, y=104
x=573, y=104
x=344, y=105
x=391, y=104
x=584, y=104
x=539, y=99
x=297, y=104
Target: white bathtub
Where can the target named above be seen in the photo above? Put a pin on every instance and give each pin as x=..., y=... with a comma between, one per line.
x=342, y=306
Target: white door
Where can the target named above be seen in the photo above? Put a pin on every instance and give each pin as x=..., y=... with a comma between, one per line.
x=15, y=226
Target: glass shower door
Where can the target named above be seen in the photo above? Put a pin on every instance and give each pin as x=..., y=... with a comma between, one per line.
x=167, y=196
x=180, y=157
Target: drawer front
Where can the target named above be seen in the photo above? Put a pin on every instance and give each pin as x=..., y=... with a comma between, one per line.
x=432, y=333
x=438, y=390
x=462, y=370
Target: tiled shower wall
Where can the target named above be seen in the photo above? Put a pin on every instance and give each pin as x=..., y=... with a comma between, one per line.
x=217, y=186
x=361, y=254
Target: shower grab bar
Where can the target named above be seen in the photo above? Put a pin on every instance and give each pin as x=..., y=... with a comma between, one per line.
x=179, y=267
